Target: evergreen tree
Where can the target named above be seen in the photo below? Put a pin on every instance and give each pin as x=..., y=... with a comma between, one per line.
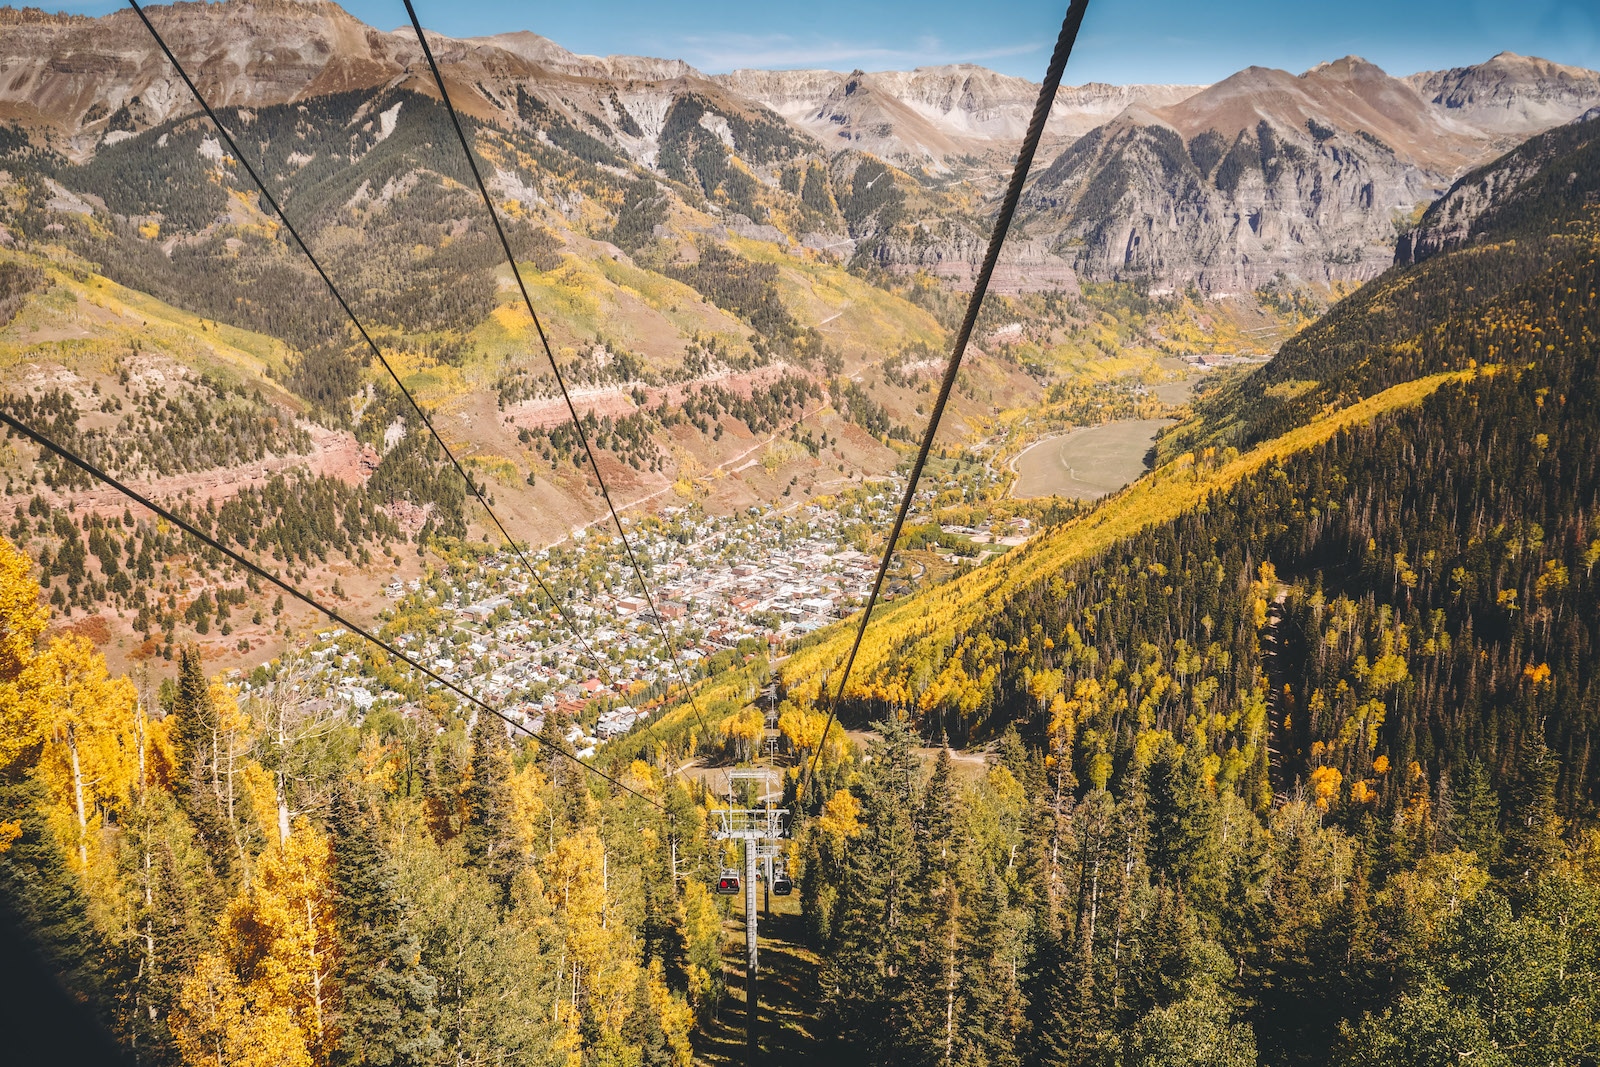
x=569, y=784
x=489, y=835
x=43, y=899
x=938, y=977
x=387, y=1011
x=444, y=780
x=1475, y=814
x=172, y=897
x=992, y=1012
x=195, y=744
x=1185, y=825
x=868, y=965
x=195, y=723
x=1533, y=835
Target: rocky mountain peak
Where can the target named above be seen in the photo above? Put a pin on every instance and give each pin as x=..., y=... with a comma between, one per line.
x=1510, y=95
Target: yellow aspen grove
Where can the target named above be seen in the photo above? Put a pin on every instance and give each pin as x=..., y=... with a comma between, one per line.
x=742, y=731
x=218, y=1023
x=89, y=756
x=22, y=620
x=676, y=1017
x=803, y=730
x=840, y=818
x=601, y=953
x=702, y=936
x=528, y=808
x=245, y=792
x=267, y=992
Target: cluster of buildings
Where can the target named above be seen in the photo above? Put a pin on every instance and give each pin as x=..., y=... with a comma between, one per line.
x=743, y=583
x=717, y=583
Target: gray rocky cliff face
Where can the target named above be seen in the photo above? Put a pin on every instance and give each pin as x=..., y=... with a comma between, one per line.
x=1134, y=202
x=1510, y=94
x=1222, y=187
x=1311, y=176
x=1558, y=167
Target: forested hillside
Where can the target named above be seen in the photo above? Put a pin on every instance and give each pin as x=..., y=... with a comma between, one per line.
x=1294, y=744
x=226, y=877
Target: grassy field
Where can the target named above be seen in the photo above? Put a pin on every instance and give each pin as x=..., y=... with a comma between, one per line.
x=1088, y=463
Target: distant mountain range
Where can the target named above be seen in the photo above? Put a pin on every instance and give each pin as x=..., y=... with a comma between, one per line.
x=1222, y=187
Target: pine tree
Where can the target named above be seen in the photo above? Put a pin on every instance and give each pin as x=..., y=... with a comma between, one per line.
x=173, y=897
x=42, y=898
x=1185, y=826
x=1066, y=1028
x=194, y=720
x=938, y=980
x=1475, y=815
x=1533, y=836
x=489, y=835
x=569, y=784
x=195, y=735
x=868, y=966
x=444, y=775
x=387, y=1013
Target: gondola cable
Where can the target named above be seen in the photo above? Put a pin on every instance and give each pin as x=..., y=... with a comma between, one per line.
x=1008, y=207
x=189, y=528
x=572, y=410
x=365, y=336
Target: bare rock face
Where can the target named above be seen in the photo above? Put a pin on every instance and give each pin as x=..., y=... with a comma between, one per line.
x=1133, y=201
x=1511, y=95
x=931, y=115
x=83, y=78
x=550, y=56
x=1557, y=170
x=1223, y=187
x=1264, y=173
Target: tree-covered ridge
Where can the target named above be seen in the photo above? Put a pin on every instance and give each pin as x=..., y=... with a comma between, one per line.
x=631, y=437
x=1478, y=506
x=1418, y=319
x=193, y=428
x=1029, y=918
x=706, y=147
x=1293, y=745
x=364, y=178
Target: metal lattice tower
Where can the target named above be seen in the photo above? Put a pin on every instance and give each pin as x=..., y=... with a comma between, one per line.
x=760, y=829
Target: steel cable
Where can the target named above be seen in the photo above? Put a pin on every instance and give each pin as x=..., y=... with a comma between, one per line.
x=1008, y=208
x=365, y=336
x=572, y=410
x=254, y=568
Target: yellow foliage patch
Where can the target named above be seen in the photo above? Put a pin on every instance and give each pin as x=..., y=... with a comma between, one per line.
x=931, y=620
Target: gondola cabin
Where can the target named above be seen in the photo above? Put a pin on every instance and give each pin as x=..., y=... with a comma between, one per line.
x=728, y=882
x=781, y=884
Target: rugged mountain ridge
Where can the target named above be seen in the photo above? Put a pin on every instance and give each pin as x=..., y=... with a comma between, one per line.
x=930, y=116
x=1223, y=188
x=1267, y=173
x=1510, y=94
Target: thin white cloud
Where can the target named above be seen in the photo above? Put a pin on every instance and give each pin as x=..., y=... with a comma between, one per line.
x=732, y=51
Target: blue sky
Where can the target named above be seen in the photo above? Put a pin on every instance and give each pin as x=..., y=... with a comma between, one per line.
x=1122, y=41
